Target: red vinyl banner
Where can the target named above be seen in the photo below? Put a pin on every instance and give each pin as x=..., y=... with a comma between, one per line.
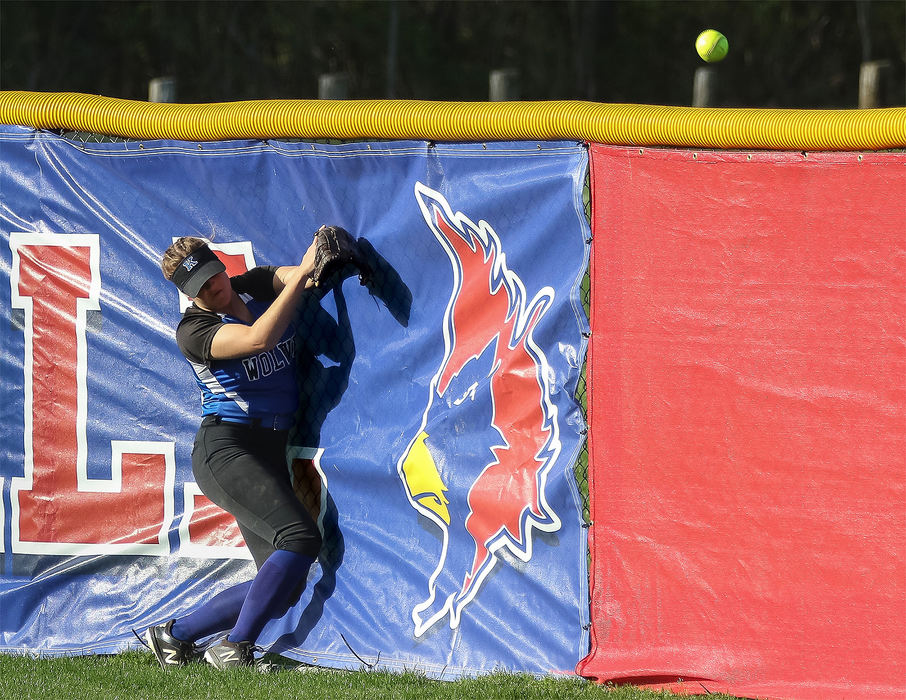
x=747, y=410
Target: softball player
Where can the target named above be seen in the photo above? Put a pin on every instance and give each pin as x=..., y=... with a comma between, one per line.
x=239, y=340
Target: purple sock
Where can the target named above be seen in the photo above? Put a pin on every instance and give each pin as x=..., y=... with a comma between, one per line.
x=218, y=614
x=276, y=579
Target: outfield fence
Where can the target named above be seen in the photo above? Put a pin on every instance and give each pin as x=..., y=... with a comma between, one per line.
x=716, y=493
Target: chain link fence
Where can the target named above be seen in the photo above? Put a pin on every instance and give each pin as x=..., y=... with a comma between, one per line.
x=580, y=469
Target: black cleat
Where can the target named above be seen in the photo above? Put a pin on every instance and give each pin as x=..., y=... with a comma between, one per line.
x=227, y=654
x=167, y=649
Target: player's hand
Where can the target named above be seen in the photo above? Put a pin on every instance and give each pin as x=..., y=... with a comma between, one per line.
x=296, y=275
x=308, y=260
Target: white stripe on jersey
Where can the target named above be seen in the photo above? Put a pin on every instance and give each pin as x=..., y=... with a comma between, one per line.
x=206, y=377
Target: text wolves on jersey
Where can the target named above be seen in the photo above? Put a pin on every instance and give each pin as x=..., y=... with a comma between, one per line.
x=266, y=363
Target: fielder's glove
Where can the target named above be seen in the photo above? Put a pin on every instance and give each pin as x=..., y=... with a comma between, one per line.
x=334, y=250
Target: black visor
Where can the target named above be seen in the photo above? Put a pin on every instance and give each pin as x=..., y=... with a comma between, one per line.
x=195, y=269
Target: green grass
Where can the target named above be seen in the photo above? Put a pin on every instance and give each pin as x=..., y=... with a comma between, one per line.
x=135, y=675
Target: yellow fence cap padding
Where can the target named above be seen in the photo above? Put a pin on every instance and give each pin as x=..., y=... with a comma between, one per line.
x=618, y=124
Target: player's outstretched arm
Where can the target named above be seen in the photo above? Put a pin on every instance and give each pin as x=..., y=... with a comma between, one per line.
x=234, y=340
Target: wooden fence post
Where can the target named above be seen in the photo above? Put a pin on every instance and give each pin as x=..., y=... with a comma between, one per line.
x=333, y=86
x=704, y=87
x=162, y=89
x=874, y=84
x=503, y=85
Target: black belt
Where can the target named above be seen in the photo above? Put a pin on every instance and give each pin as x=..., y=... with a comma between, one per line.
x=276, y=421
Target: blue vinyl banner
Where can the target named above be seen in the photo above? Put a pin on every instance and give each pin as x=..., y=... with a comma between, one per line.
x=438, y=429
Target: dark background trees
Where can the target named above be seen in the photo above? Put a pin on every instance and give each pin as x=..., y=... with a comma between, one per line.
x=783, y=53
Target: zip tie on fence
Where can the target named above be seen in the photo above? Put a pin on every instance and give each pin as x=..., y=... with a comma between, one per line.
x=617, y=124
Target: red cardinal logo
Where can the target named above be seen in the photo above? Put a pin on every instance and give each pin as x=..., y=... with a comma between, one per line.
x=477, y=466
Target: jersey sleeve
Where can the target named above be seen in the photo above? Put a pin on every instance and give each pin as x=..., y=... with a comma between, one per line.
x=195, y=333
x=257, y=282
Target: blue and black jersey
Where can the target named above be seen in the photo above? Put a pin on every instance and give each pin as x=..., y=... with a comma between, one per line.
x=258, y=386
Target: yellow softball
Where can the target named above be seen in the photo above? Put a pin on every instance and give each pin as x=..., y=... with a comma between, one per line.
x=712, y=46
